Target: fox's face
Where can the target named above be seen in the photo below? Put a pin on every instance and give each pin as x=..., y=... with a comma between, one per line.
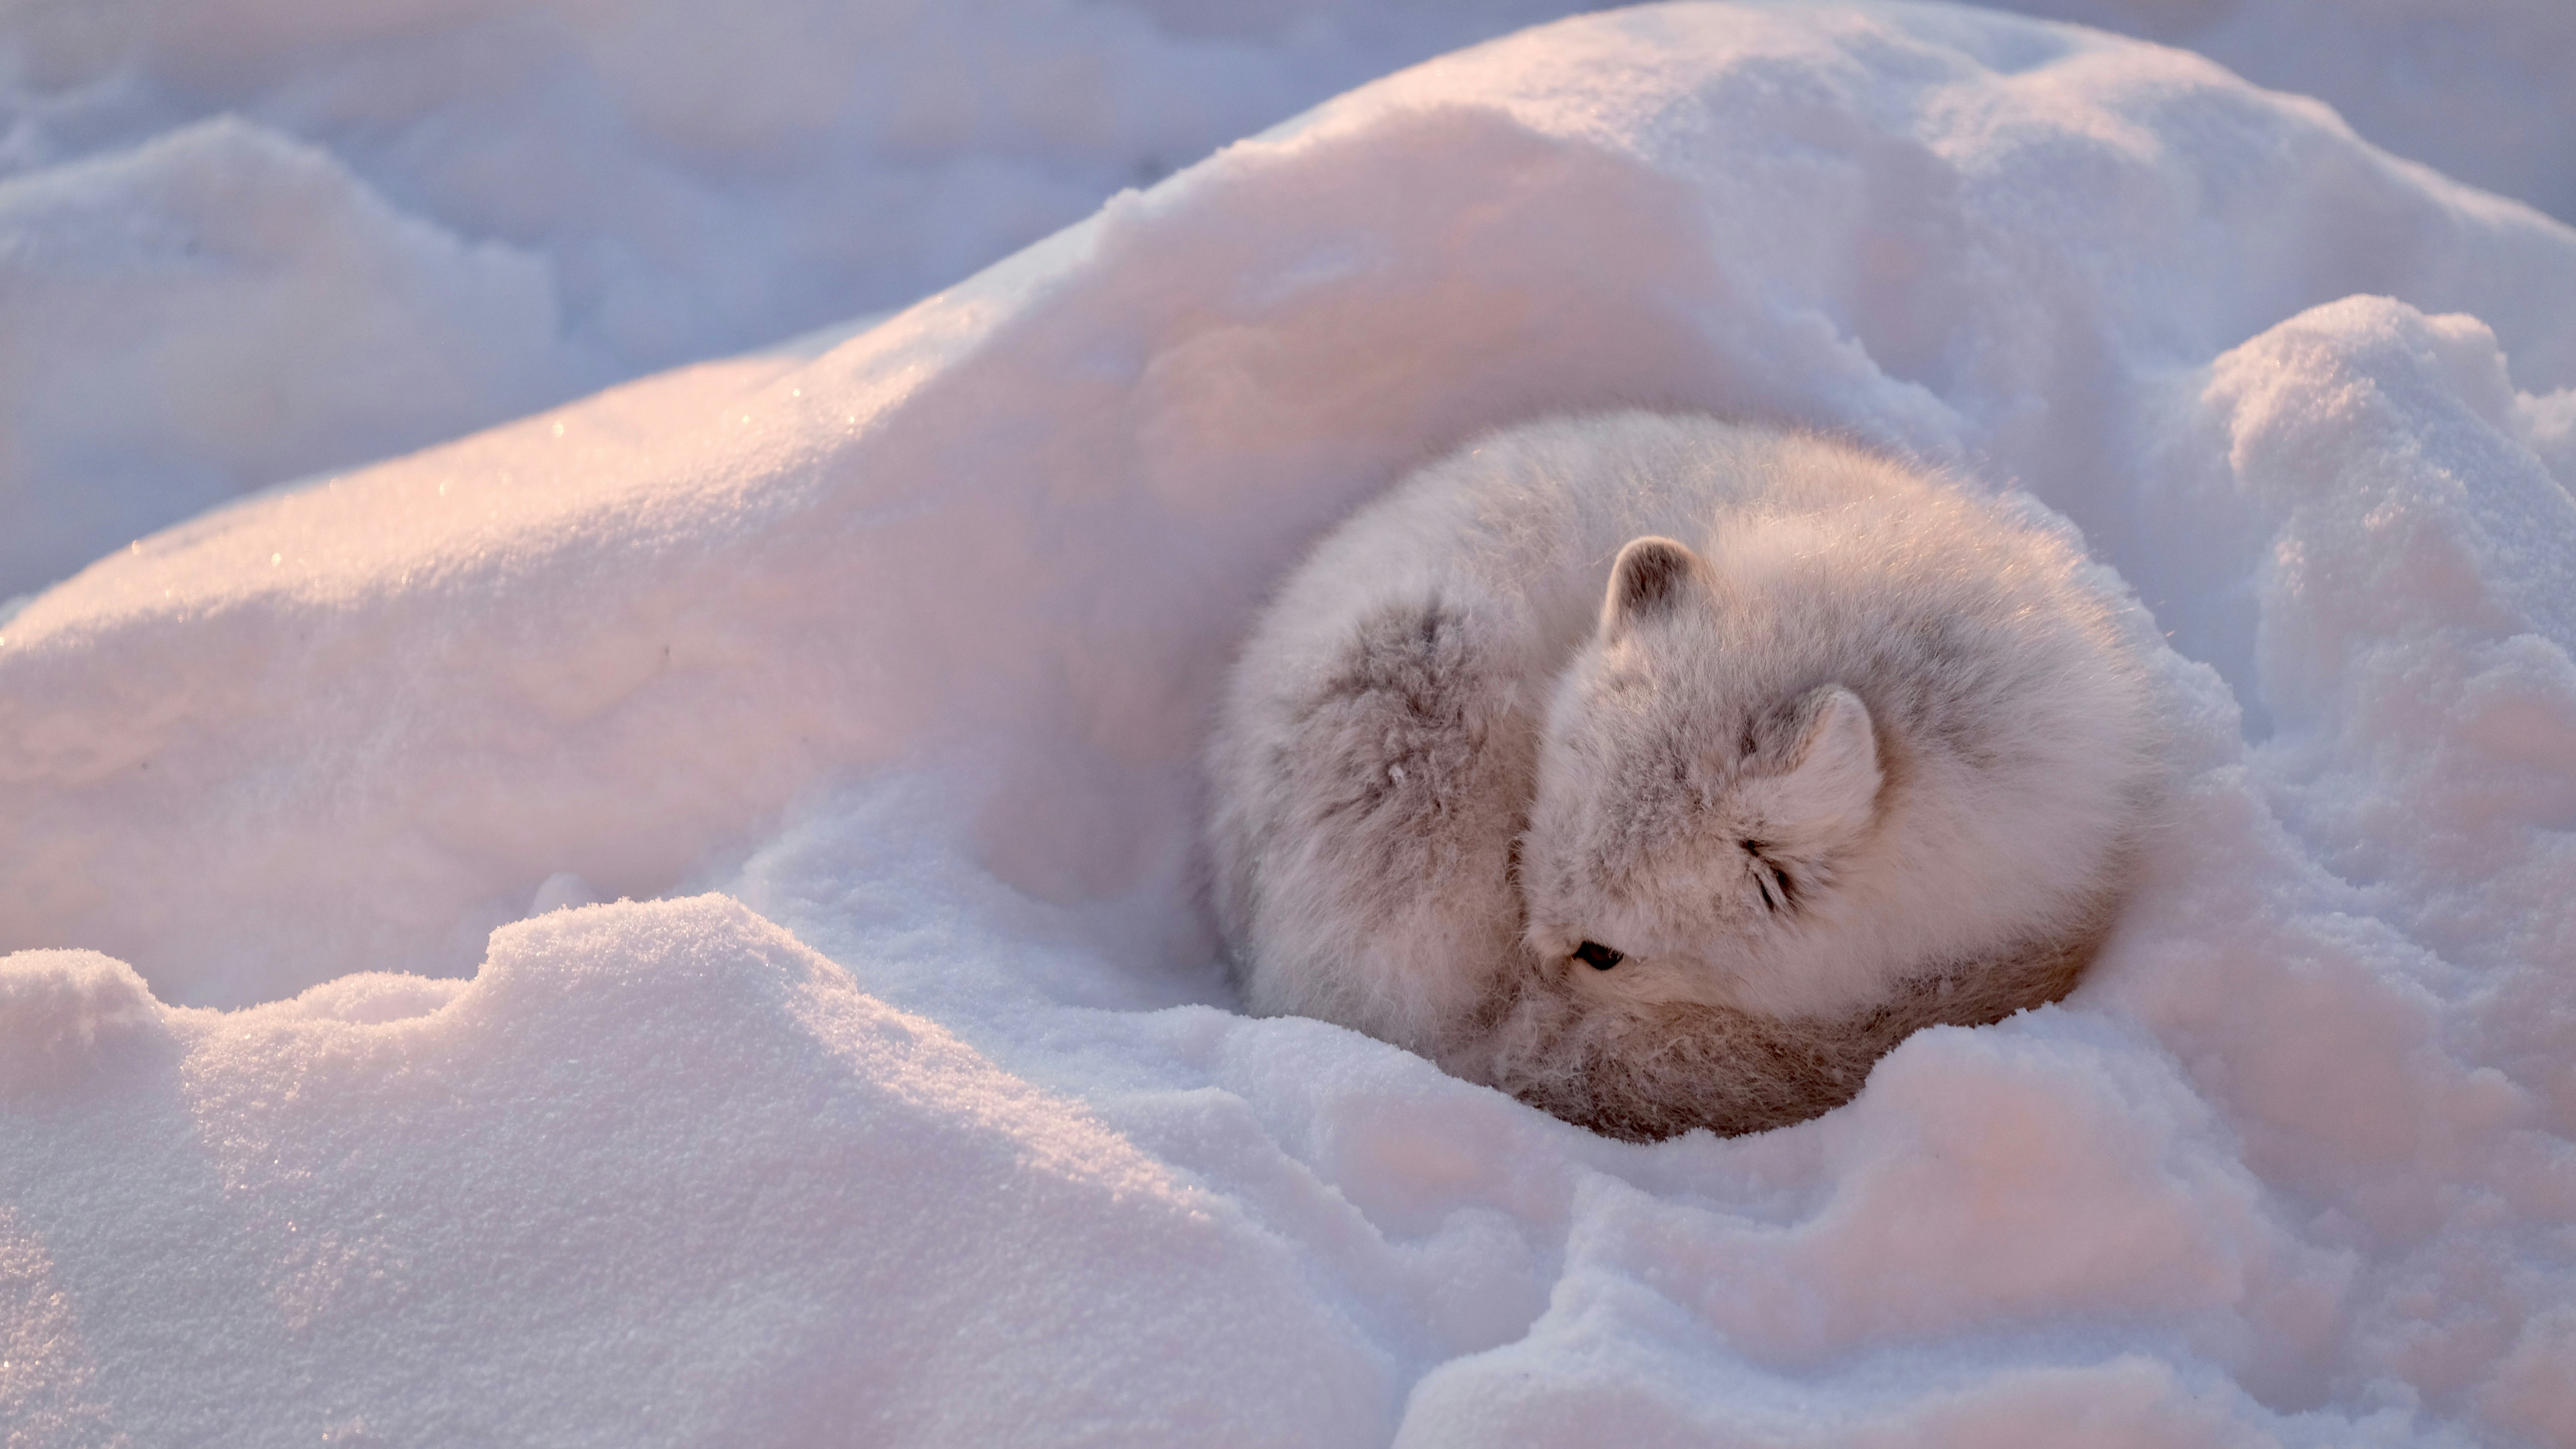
x=1680, y=834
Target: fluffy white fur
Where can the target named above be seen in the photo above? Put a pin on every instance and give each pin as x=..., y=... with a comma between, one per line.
x=1811, y=748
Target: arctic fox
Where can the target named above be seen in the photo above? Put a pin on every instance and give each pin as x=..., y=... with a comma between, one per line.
x=1665, y=772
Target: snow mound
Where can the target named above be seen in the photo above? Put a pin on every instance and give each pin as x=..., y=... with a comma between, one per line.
x=527, y=201
x=909, y=648
x=222, y=307
x=671, y=1117
x=61, y=1010
x=255, y=241
x=2475, y=88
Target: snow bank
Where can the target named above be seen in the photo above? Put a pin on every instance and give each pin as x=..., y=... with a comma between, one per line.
x=434, y=1216
x=2477, y=89
x=207, y=204
x=225, y=305
x=908, y=649
x=517, y=203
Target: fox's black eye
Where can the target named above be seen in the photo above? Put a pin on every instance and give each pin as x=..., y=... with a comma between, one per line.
x=1597, y=956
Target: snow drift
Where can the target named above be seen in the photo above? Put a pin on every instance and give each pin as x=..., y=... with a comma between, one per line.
x=211, y=202
x=908, y=649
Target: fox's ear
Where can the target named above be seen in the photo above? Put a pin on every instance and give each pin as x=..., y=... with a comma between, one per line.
x=1833, y=776
x=1651, y=578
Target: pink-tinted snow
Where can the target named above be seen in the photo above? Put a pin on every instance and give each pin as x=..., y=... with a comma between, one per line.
x=901, y=1104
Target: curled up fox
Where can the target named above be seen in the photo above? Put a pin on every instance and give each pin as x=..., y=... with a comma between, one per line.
x=1665, y=772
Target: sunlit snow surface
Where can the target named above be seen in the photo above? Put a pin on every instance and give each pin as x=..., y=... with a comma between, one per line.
x=938, y=1130
x=247, y=241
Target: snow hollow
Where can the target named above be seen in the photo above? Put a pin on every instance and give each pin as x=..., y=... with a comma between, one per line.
x=893, y=1098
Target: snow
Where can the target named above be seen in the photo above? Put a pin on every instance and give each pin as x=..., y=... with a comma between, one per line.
x=253, y=240
x=892, y=1095
x=222, y=304
x=2475, y=88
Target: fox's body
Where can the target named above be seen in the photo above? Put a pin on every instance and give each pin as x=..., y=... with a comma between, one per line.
x=1666, y=772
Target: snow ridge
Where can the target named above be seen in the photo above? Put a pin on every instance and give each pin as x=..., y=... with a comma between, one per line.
x=900, y=1102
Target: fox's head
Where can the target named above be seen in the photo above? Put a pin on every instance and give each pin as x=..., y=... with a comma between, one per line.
x=1683, y=829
